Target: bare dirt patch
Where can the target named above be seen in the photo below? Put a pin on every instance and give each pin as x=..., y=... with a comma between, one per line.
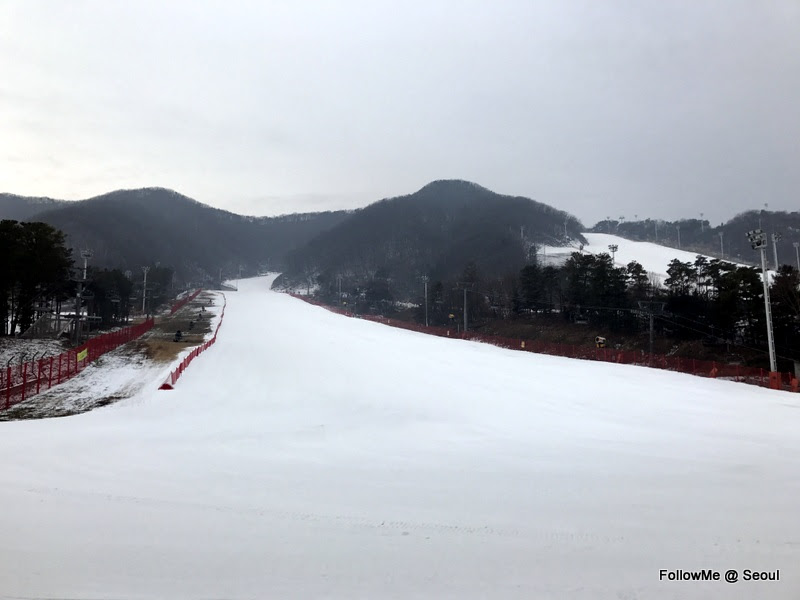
x=193, y=321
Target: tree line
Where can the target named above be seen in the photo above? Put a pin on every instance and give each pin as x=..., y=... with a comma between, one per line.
x=39, y=275
x=711, y=300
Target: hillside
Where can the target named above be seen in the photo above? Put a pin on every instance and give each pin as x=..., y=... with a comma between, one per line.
x=436, y=231
x=131, y=228
x=23, y=208
x=700, y=237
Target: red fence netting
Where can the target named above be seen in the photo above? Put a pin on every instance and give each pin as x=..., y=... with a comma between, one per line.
x=183, y=302
x=19, y=382
x=173, y=377
x=703, y=368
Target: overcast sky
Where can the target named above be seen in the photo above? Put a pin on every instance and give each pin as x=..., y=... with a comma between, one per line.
x=602, y=108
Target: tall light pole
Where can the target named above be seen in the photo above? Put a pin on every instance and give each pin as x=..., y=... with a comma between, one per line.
x=702, y=225
x=86, y=255
x=678, y=227
x=465, y=286
x=465, y=309
x=144, y=288
x=797, y=253
x=425, y=282
x=721, y=246
x=775, y=238
x=758, y=241
x=613, y=248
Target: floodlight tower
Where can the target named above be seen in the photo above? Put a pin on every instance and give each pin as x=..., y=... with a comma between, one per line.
x=721, y=246
x=86, y=255
x=144, y=287
x=678, y=227
x=758, y=241
x=775, y=238
x=797, y=253
x=613, y=248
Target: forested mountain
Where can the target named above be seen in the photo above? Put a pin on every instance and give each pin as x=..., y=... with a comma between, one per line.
x=699, y=236
x=437, y=232
x=127, y=229
x=23, y=208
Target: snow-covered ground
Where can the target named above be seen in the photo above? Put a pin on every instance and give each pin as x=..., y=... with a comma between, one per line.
x=310, y=455
x=119, y=374
x=653, y=257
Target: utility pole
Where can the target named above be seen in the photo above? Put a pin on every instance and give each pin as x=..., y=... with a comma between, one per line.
x=466, y=286
x=144, y=289
x=425, y=282
x=651, y=307
x=758, y=241
x=721, y=246
x=797, y=253
x=775, y=238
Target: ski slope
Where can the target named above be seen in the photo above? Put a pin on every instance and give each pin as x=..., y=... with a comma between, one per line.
x=653, y=257
x=309, y=455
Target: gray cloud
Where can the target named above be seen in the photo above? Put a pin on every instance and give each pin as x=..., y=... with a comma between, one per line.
x=661, y=109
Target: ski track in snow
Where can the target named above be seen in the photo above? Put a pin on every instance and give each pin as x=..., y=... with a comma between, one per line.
x=311, y=455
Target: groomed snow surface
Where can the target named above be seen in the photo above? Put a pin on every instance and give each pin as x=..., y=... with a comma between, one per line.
x=655, y=258
x=309, y=455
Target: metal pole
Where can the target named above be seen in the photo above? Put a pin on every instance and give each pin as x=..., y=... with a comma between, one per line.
x=651, y=333
x=797, y=252
x=768, y=310
x=721, y=247
x=78, y=313
x=679, y=236
x=465, y=309
x=144, y=287
x=775, y=238
x=425, y=281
